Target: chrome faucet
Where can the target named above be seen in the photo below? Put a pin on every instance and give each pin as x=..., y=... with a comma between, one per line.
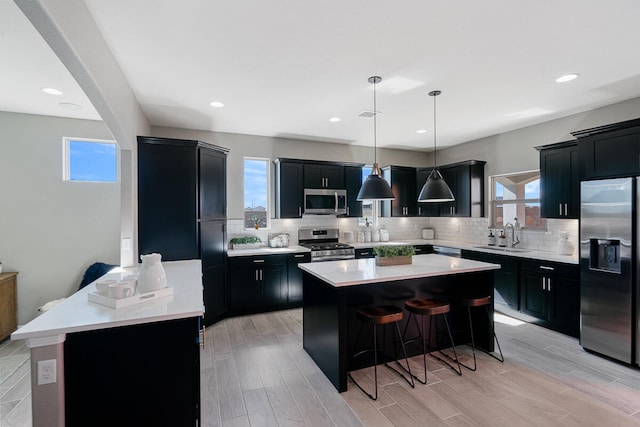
x=514, y=239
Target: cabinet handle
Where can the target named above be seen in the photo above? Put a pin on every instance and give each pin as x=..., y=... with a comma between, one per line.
x=299, y=210
x=298, y=256
x=566, y=210
x=256, y=275
x=258, y=260
x=364, y=253
x=549, y=284
x=560, y=208
x=261, y=274
x=348, y=211
x=544, y=267
x=419, y=210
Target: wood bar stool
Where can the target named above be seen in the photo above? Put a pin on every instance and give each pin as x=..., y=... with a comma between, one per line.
x=480, y=301
x=429, y=307
x=380, y=315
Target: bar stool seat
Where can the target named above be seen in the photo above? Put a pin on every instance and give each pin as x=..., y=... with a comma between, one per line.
x=380, y=315
x=473, y=302
x=429, y=307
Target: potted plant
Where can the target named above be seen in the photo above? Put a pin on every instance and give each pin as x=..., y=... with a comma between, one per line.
x=393, y=254
x=246, y=242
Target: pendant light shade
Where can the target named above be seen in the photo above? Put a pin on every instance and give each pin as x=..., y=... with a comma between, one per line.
x=375, y=187
x=435, y=189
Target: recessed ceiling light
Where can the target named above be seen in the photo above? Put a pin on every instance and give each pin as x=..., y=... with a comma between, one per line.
x=335, y=119
x=51, y=91
x=216, y=104
x=421, y=131
x=567, y=78
x=70, y=105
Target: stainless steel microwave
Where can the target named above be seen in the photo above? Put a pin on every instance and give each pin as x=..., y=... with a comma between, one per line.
x=325, y=202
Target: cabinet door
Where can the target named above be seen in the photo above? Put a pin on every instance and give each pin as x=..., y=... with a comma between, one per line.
x=214, y=293
x=290, y=190
x=273, y=287
x=450, y=176
x=323, y=176
x=560, y=182
x=534, y=296
x=505, y=284
x=403, y=184
x=611, y=154
x=167, y=200
x=213, y=187
x=244, y=289
x=425, y=208
x=565, y=304
x=353, y=182
x=423, y=249
x=294, y=282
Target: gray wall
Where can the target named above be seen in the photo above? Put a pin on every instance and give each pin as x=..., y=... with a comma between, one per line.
x=241, y=146
x=50, y=230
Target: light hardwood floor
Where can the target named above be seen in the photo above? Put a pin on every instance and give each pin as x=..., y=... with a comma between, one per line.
x=254, y=372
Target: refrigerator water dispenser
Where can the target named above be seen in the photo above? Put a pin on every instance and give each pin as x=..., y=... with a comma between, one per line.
x=605, y=255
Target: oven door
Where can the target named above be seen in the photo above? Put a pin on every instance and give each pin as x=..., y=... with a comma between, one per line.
x=325, y=201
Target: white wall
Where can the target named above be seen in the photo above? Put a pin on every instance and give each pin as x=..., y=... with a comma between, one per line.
x=50, y=230
x=260, y=146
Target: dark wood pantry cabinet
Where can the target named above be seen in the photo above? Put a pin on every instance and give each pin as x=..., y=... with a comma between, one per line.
x=182, y=209
x=559, y=180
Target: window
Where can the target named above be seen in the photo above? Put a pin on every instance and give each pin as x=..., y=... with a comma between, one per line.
x=90, y=160
x=256, y=192
x=516, y=195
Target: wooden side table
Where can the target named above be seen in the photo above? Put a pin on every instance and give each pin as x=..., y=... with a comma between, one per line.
x=8, y=304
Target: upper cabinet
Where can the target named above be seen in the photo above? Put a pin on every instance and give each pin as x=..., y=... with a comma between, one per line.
x=466, y=180
x=289, y=188
x=403, y=184
x=559, y=180
x=610, y=151
x=323, y=176
x=352, y=183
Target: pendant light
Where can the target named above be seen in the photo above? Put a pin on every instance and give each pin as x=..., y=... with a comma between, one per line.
x=375, y=187
x=435, y=189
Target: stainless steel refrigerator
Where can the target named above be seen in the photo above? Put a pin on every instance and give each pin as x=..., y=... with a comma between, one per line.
x=608, y=321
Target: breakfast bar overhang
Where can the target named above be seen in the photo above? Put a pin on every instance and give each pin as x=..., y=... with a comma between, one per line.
x=335, y=290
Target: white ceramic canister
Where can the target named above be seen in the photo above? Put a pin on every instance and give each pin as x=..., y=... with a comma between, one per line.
x=565, y=246
x=367, y=236
x=384, y=235
x=375, y=236
x=152, y=276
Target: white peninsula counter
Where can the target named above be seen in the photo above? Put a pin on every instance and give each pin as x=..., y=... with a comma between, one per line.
x=335, y=290
x=106, y=358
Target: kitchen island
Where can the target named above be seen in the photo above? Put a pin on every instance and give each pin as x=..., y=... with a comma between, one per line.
x=135, y=365
x=335, y=290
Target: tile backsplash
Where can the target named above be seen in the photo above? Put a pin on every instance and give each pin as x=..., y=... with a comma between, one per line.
x=470, y=230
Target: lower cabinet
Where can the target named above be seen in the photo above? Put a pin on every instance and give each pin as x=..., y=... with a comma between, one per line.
x=541, y=292
x=264, y=283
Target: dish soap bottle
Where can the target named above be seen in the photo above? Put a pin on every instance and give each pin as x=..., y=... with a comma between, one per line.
x=502, y=240
x=491, y=239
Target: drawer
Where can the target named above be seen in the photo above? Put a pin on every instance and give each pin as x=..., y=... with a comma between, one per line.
x=256, y=260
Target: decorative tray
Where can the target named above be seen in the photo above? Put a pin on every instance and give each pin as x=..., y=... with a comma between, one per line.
x=125, y=302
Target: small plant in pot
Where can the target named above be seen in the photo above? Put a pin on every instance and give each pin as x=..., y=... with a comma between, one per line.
x=245, y=242
x=393, y=254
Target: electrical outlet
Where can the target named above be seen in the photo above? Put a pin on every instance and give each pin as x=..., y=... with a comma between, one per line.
x=46, y=371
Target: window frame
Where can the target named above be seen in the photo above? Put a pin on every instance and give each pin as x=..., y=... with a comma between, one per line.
x=66, y=158
x=493, y=202
x=268, y=184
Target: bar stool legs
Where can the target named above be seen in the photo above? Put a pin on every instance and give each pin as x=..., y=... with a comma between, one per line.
x=432, y=308
x=478, y=302
x=380, y=315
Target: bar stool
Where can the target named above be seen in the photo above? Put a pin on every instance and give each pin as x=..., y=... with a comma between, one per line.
x=429, y=307
x=480, y=301
x=379, y=315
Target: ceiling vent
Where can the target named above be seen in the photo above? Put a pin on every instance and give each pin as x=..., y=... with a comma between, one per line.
x=368, y=114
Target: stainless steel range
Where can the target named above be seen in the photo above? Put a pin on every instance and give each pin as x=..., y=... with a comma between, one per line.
x=324, y=244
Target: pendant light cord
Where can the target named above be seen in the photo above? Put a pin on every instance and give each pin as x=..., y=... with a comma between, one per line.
x=375, y=125
x=435, y=150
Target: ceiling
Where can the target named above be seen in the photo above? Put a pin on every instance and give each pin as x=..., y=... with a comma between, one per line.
x=285, y=67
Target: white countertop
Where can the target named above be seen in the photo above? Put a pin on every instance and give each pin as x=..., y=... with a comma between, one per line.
x=361, y=271
x=266, y=250
x=76, y=313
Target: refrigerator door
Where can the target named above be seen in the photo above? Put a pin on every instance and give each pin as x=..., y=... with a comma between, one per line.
x=606, y=267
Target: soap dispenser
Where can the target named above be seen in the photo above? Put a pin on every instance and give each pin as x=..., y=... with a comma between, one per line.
x=491, y=239
x=502, y=240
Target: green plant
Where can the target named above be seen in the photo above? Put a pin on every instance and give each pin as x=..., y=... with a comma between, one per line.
x=395, y=250
x=245, y=240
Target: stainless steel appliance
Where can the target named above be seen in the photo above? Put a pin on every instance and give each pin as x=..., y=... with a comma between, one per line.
x=324, y=244
x=608, y=271
x=325, y=202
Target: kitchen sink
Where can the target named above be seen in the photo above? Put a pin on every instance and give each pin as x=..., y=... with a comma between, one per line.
x=502, y=249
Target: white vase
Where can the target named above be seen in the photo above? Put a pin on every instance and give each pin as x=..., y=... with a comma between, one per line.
x=565, y=246
x=152, y=276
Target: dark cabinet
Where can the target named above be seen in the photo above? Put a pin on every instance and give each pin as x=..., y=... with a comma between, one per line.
x=609, y=151
x=403, y=184
x=505, y=280
x=182, y=209
x=257, y=283
x=550, y=292
x=364, y=253
x=466, y=180
x=323, y=176
x=294, y=283
x=559, y=180
x=289, y=189
x=149, y=375
x=352, y=183
x=423, y=249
